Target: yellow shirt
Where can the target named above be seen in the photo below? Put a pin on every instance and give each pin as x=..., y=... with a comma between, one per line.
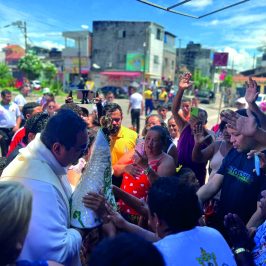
x=122, y=143
x=163, y=96
x=148, y=94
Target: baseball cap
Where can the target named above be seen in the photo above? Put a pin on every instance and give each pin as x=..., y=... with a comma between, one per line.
x=46, y=90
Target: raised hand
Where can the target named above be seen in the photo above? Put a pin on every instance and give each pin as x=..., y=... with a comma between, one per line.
x=252, y=92
x=244, y=125
x=198, y=133
x=184, y=81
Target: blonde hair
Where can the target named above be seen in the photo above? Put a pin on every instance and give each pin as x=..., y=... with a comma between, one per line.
x=15, y=213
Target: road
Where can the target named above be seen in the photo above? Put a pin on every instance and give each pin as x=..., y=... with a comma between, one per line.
x=212, y=110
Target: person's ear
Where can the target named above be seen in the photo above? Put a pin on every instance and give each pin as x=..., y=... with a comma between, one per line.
x=57, y=149
x=27, y=116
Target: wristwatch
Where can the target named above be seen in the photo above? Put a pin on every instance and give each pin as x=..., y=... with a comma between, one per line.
x=147, y=170
x=240, y=250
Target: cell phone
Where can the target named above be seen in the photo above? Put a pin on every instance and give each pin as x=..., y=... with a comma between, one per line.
x=70, y=94
x=257, y=164
x=194, y=111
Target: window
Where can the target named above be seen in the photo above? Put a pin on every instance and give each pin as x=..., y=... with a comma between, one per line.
x=158, y=34
x=121, y=34
x=173, y=64
x=156, y=59
x=166, y=62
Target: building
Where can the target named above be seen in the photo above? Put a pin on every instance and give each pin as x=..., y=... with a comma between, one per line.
x=169, y=56
x=127, y=50
x=13, y=53
x=76, y=55
x=195, y=57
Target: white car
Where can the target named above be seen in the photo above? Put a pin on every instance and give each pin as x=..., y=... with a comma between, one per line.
x=261, y=98
x=35, y=85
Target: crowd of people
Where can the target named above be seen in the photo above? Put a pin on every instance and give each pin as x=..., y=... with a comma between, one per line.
x=186, y=194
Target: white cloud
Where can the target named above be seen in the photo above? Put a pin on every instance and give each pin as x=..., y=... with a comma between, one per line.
x=49, y=44
x=199, y=4
x=239, y=59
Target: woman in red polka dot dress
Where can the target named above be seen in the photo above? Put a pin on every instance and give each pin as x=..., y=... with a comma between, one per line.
x=149, y=162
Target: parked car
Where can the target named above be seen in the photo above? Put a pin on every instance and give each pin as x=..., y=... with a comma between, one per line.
x=35, y=85
x=205, y=96
x=117, y=91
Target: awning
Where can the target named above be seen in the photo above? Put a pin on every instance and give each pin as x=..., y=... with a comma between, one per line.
x=121, y=73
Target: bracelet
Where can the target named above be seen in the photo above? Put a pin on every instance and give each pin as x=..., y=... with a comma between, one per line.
x=147, y=170
x=240, y=250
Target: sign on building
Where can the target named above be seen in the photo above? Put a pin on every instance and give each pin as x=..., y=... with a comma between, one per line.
x=135, y=62
x=220, y=59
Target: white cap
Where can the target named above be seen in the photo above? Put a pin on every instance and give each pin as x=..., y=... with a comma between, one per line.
x=134, y=85
x=46, y=90
x=241, y=100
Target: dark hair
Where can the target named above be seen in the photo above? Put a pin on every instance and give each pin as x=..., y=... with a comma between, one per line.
x=84, y=111
x=5, y=92
x=163, y=133
x=222, y=125
x=63, y=127
x=95, y=121
x=174, y=202
x=188, y=176
x=111, y=107
x=35, y=124
x=126, y=250
x=73, y=107
x=28, y=108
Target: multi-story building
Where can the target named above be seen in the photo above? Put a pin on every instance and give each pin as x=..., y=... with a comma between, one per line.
x=131, y=46
x=194, y=57
x=76, y=54
x=169, y=56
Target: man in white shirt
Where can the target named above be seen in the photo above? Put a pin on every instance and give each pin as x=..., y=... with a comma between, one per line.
x=42, y=166
x=20, y=98
x=136, y=105
x=10, y=119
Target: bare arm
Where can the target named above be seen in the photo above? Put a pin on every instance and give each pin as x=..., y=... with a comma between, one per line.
x=184, y=84
x=131, y=201
x=251, y=96
x=256, y=219
x=208, y=190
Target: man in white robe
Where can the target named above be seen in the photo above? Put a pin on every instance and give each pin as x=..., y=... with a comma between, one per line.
x=42, y=167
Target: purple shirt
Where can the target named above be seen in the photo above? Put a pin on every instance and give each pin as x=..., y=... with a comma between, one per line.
x=184, y=151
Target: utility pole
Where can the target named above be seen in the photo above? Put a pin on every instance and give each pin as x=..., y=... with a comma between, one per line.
x=23, y=27
x=79, y=57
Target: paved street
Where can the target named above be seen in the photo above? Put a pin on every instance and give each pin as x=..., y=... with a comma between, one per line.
x=212, y=110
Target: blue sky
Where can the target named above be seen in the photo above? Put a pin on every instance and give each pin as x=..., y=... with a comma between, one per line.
x=239, y=30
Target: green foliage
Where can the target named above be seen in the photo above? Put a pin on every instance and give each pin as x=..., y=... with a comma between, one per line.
x=201, y=82
x=49, y=71
x=6, y=78
x=228, y=81
x=31, y=66
x=56, y=87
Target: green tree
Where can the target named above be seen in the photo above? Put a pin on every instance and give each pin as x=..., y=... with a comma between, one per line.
x=201, y=82
x=5, y=76
x=31, y=66
x=49, y=71
x=228, y=81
